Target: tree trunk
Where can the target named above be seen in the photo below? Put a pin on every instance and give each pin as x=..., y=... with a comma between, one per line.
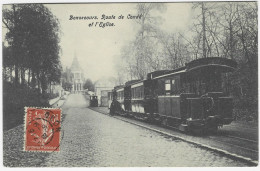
x=14, y=48
x=33, y=82
x=11, y=74
x=204, y=31
x=16, y=75
x=38, y=82
x=231, y=40
x=4, y=73
x=29, y=77
x=22, y=76
x=44, y=85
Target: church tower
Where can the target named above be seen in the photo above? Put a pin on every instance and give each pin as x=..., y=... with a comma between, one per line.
x=77, y=75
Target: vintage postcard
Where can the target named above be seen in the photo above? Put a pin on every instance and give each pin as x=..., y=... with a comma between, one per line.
x=140, y=84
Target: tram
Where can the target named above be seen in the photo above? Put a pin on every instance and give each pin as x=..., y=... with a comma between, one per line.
x=190, y=98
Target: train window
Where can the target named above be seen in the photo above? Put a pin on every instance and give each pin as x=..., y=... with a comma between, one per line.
x=108, y=95
x=138, y=92
x=122, y=94
x=142, y=91
x=133, y=93
x=167, y=85
x=117, y=95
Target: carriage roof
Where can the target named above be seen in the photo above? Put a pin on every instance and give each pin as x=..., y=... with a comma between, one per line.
x=220, y=64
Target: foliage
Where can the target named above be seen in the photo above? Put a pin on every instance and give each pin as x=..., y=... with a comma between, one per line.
x=89, y=85
x=217, y=29
x=33, y=40
x=30, y=51
x=67, y=86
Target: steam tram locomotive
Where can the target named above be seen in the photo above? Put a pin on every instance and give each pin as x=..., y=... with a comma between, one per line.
x=93, y=101
x=190, y=98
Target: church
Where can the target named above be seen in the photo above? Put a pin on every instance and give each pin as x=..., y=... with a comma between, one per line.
x=77, y=76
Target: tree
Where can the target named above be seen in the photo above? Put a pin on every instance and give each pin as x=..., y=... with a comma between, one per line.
x=232, y=32
x=176, y=52
x=205, y=26
x=218, y=29
x=33, y=36
x=7, y=63
x=89, y=85
x=10, y=20
x=247, y=35
x=140, y=56
x=67, y=86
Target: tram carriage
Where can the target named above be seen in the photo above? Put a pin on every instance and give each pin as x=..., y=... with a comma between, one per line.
x=93, y=101
x=190, y=98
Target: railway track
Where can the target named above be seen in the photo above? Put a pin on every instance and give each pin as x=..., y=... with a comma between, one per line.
x=239, y=142
x=236, y=147
x=239, y=154
x=242, y=143
x=232, y=126
x=244, y=139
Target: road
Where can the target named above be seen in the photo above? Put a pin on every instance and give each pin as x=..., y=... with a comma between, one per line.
x=94, y=139
x=91, y=139
x=239, y=140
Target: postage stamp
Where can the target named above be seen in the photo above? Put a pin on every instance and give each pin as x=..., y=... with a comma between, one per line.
x=42, y=129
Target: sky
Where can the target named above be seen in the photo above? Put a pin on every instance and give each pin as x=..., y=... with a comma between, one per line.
x=97, y=48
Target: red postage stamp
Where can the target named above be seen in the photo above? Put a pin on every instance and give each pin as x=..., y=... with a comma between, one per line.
x=42, y=129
